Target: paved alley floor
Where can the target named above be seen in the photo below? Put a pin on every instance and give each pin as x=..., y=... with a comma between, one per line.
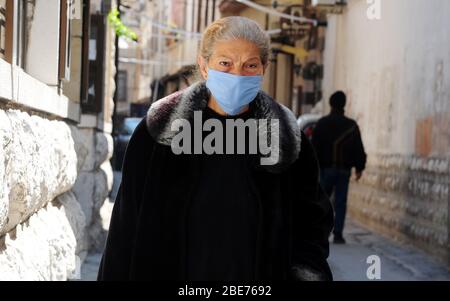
x=398, y=262
x=348, y=262
x=89, y=270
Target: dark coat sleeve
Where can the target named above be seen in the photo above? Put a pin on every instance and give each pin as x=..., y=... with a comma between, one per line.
x=312, y=219
x=116, y=260
x=360, y=154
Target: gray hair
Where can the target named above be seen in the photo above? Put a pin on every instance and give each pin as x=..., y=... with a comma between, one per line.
x=231, y=28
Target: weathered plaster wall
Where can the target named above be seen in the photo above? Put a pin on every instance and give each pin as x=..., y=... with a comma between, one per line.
x=396, y=73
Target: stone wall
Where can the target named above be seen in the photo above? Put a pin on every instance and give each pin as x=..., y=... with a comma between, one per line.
x=55, y=175
x=55, y=179
x=95, y=179
x=406, y=198
x=41, y=224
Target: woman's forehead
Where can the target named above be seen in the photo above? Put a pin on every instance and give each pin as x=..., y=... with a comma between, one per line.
x=236, y=49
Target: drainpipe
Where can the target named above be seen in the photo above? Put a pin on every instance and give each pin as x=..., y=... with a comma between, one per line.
x=116, y=76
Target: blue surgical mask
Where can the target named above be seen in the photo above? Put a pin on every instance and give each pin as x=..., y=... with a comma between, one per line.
x=233, y=92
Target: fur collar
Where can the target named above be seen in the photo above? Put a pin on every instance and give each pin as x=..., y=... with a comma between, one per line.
x=182, y=104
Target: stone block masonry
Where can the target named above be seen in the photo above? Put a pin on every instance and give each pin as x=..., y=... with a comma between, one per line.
x=405, y=197
x=47, y=226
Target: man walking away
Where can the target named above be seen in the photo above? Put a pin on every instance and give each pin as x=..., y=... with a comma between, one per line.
x=339, y=148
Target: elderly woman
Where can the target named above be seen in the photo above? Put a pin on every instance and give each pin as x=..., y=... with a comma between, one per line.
x=222, y=215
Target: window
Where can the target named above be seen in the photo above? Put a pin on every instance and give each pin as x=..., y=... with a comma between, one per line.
x=94, y=101
x=6, y=29
x=36, y=39
x=85, y=52
x=15, y=20
x=25, y=13
x=67, y=8
x=2, y=28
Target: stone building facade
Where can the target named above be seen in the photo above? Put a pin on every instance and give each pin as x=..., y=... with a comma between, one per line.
x=55, y=174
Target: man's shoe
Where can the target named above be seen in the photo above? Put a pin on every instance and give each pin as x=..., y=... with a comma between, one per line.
x=339, y=240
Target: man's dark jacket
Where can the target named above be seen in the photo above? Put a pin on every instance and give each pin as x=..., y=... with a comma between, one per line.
x=337, y=141
x=147, y=236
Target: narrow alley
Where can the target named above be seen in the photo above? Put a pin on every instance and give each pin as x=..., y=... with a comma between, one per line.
x=93, y=88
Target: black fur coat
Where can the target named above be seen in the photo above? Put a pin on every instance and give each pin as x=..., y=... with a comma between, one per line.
x=146, y=239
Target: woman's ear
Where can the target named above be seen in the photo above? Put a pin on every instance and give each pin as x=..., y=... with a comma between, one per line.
x=203, y=66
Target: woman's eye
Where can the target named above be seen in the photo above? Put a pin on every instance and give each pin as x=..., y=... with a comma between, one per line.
x=252, y=66
x=225, y=64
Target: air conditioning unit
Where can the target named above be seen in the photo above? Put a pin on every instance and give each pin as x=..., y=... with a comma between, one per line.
x=329, y=6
